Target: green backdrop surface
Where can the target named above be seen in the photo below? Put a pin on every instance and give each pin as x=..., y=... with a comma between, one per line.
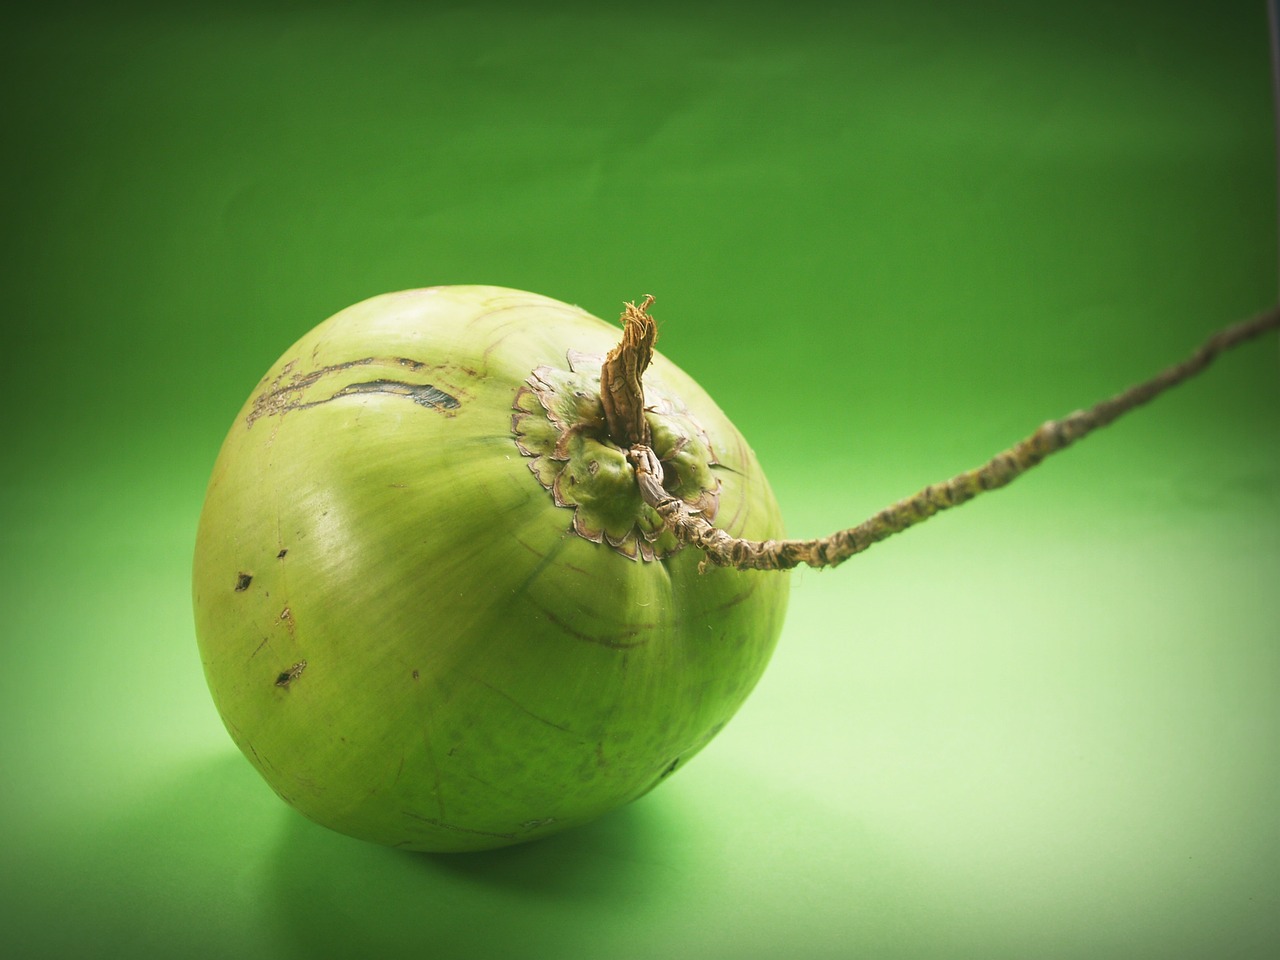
x=890, y=239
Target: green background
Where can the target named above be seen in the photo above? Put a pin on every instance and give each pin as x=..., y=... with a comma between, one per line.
x=890, y=239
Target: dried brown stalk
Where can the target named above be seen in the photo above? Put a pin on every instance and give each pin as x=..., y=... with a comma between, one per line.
x=621, y=392
x=724, y=550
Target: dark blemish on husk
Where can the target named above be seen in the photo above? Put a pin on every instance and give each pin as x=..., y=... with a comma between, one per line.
x=671, y=768
x=415, y=674
x=292, y=674
x=281, y=554
x=423, y=394
x=242, y=581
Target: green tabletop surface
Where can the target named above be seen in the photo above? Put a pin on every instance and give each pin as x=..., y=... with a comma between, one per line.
x=890, y=239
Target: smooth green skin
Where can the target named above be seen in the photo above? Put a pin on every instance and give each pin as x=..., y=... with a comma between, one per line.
x=476, y=674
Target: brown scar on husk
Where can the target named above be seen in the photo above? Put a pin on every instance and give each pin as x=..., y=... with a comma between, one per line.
x=285, y=392
x=242, y=581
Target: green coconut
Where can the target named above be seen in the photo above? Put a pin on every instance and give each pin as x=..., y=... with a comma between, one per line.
x=432, y=607
x=470, y=571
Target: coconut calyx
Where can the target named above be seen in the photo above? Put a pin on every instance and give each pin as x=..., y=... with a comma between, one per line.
x=577, y=424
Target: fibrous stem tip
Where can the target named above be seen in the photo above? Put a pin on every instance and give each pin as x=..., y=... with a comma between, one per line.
x=621, y=389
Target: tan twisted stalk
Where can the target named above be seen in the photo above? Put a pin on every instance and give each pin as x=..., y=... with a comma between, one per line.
x=724, y=550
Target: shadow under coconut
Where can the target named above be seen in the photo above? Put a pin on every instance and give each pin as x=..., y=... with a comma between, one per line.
x=160, y=865
x=203, y=860
x=335, y=896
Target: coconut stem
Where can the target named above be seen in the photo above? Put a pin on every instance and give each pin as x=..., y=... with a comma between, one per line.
x=621, y=392
x=724, y=550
